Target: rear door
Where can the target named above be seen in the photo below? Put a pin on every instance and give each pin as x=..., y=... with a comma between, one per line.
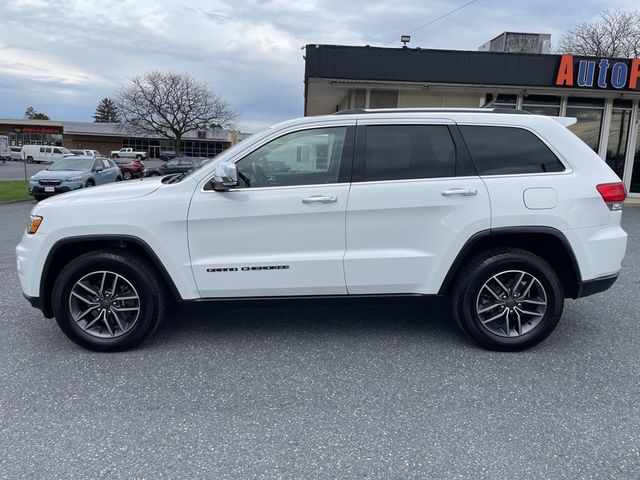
x=414, y=201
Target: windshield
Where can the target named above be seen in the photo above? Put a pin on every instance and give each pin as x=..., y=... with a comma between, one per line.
x=72, y=163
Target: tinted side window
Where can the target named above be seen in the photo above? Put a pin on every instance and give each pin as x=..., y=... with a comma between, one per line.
x=306, y=157
x=396, y=152
x=508, y=150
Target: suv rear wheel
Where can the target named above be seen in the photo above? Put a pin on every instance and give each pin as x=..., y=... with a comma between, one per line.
x=507, y=299
x=108, y=300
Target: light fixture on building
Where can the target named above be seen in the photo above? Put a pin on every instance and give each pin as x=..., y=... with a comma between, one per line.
x=405, y=39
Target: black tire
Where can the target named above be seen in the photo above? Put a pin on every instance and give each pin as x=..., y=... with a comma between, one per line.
x=138, y=157
x=127, y=175
x=470, y=286
x=115, y=155
x=29, y=159
x=39, y=197
x=118, y=179
x=138, y=272
x=154, y=174
x=90, y=183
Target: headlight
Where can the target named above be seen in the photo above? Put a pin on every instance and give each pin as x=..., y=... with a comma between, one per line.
x=74, y=179
x=34, y=224
x=32, y=179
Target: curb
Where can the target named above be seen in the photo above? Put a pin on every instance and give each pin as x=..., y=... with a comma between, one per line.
x=10, y=202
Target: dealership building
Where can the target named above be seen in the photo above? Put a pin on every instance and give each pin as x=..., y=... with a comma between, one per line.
x=601, y=93
x=105, y=137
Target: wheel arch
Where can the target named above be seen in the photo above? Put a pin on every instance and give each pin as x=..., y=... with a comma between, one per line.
x=546, y=242
x=65, y=250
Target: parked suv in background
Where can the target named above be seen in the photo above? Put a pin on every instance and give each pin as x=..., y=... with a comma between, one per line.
x=72, y=173
x=505, y=214
x=130, y=168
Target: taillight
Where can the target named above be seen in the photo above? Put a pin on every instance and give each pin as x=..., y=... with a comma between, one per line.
x=614, y=194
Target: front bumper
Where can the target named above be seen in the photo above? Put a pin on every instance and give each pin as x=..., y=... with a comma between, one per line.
x=37, y=189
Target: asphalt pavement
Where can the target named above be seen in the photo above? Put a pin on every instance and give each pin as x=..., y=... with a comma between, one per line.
x=380, y=390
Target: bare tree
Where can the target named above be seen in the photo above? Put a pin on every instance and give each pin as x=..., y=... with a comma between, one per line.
x=170, y=105
x=615, y=34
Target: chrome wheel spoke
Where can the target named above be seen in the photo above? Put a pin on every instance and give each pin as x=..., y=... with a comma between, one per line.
x=493, y=319
x=88, y=302
x=490, y=307
x=506, y=324
x=504, y=289
x=91, y=291
x=83, y=314
x=534, y=302
x=94, y=321
x=104, y=277
x=518, y=322
x=497, y=297
x=106, y=322
x=113, y=287
x=118, y=321
x=515, y=285
x=125, y=309
x=526, y=312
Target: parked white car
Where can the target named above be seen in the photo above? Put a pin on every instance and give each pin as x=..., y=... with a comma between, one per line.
x=43, y=153
x=504, y=214
x=129, y=153
x=89, y=153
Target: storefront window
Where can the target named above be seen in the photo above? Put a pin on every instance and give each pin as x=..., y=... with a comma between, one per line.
x=589, y=112
x=505, y=101
x=541, y=104
x=618, y=135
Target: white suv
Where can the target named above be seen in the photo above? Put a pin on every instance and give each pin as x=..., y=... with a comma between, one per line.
x=507, y=214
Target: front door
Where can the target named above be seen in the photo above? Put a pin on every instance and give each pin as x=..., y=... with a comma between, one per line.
x=282, y=232
x=414, y=201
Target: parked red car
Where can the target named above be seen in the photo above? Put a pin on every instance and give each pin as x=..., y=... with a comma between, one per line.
x=129, y=168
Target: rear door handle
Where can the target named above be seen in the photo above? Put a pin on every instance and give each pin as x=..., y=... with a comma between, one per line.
x=320, y=199
x=466, y=192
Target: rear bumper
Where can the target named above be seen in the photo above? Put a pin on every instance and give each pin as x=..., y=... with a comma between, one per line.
x=596, y=285
x=34, y=301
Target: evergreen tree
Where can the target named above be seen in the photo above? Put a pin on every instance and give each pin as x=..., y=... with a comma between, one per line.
x=106, y=112
x=31, y=114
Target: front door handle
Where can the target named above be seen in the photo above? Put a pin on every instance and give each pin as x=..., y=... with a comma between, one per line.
x=320, y=199
x=466, y=192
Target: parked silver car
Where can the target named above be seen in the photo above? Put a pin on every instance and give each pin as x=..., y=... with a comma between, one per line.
x=72, y=173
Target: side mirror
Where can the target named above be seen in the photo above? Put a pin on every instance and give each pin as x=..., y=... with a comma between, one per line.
x=225, y=176
x=99, y=169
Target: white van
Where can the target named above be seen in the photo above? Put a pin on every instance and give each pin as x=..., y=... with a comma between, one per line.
x=43, y=153
x=5, y=153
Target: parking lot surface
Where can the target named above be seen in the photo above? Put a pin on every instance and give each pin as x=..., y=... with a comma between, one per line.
x=354, y=390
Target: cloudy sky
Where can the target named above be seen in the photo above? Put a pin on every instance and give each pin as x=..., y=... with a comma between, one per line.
x=62, y=56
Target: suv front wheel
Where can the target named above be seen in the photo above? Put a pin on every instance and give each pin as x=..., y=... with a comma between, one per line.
x=507, y=299
x=108, y=300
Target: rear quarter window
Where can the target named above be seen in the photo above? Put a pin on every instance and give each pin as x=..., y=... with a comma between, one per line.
x=508, y=150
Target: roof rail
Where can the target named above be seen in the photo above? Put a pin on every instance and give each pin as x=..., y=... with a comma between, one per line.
x=359, y=111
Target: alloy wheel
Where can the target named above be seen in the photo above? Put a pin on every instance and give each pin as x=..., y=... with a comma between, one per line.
x=511, y=303
x=104, y=304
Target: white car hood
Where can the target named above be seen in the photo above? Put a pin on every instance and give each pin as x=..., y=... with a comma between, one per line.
x=110, y=192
